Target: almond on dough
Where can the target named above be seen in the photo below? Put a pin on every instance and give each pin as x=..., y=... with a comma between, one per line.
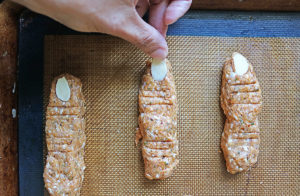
x=158, y=124
x=65, y=137
x=241, y=101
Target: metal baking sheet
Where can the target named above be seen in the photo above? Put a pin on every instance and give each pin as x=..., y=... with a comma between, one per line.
x=110, y=69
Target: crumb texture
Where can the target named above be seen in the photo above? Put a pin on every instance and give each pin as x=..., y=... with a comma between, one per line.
x=158, y=124
x=241, y=101
x=65, y=137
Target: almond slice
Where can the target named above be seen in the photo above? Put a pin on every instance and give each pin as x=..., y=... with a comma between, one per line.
x=159, y=69
x=240, y=63
x=63, y=91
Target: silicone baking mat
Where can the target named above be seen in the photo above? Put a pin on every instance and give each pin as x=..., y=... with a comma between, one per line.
x=110, y=70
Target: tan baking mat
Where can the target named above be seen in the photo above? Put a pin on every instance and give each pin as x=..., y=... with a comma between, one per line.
x=110, y=70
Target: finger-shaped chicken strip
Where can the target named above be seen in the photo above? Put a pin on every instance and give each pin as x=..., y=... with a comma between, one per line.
x=65, y=137
x=158, y=124
x=241, y=101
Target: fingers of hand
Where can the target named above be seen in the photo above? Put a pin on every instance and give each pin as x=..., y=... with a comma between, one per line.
x=143, y=35
x=151, y=41
x=175, y=10
x=142, y=7
x=157, y=15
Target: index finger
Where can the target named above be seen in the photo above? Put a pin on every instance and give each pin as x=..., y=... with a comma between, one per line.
x=157, y=15
x=175, y=10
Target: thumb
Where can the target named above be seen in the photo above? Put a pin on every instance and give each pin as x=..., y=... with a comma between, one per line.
x=144, y=36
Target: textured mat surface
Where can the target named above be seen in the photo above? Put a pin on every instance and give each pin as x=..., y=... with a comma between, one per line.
x=111, y=69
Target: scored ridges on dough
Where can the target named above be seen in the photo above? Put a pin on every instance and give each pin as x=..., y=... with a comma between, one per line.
x=241, y=101
x=158, y=124
x=65, y=138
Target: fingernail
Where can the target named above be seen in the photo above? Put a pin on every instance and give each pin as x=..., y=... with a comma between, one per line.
x=165, y=31
x=160, y=54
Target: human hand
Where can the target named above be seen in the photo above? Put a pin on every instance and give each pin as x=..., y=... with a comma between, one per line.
x=120, y=18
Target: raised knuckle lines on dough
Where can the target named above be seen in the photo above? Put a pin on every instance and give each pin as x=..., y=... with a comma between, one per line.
x=65, y=138
x=158, y=125
x=241, y=101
